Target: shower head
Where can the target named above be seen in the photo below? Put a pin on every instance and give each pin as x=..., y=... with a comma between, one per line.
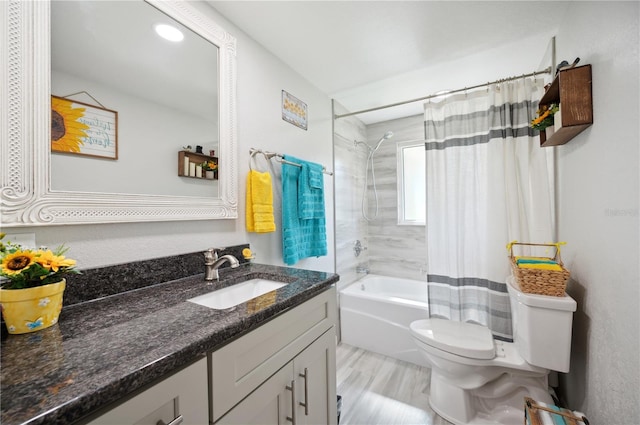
x=387, y=135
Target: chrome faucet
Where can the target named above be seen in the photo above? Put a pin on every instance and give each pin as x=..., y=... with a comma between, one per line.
x=213, y=263
x=362, y=269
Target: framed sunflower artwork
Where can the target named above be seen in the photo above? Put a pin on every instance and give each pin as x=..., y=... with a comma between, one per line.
x=83, y=129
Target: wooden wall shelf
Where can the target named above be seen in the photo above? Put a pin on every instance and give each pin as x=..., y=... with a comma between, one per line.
x=571, y=89
x=197, y=158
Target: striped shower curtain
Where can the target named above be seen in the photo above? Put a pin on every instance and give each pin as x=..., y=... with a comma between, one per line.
x=488, y=182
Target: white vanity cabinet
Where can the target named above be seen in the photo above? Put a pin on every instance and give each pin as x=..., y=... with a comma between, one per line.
x=178, y=399
x=283, y=372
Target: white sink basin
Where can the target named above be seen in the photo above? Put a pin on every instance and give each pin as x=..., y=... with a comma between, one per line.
x=236, y=294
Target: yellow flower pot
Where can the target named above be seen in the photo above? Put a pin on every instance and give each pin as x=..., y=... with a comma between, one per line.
x=31, y=309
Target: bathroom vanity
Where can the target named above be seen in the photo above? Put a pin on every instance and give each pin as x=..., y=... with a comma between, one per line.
x=150, y=355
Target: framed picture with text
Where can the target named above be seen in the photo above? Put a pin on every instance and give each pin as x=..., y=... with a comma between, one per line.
x=294, y=110
x=83, y=129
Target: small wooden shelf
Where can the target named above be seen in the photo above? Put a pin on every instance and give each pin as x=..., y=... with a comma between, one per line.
x=197, y=158
x=571, y=89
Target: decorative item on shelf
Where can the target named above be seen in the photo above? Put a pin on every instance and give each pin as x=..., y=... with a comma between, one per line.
x=185, y=165
x=209, y=167
x=548, y=132
x=565, y=65
x=187, y=148
x=212, y=153
x=198, y=149
x=557, y=119
x=570, y=92
x=32, y=286
x=544, y=116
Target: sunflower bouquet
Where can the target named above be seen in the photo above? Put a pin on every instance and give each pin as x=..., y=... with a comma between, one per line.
x=26, y=268
x=209, y=166
x=544, y=117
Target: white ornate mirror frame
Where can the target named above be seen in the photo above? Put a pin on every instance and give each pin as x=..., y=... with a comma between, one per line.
x=25, y=127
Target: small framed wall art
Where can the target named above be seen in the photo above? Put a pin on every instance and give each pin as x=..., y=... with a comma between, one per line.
x=83, y=129
x=294, y=110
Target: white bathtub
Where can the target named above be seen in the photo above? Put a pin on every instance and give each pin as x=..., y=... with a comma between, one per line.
x=375, y=313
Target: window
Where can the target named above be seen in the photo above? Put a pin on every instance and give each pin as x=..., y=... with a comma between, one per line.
x=411, y=183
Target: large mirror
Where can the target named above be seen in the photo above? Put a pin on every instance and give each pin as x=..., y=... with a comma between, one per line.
x=161, y=95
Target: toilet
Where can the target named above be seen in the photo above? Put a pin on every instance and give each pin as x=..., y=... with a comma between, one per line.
x=478, y=380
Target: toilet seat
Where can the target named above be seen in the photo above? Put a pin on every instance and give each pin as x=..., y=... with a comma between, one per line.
x=459, y=338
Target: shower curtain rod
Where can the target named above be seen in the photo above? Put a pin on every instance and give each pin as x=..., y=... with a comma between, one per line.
x=431, y=96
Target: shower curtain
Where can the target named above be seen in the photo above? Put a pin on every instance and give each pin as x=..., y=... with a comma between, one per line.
x=488, y=182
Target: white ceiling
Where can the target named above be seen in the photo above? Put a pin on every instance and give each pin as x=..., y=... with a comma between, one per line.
x=113, y=43
x=342, y=45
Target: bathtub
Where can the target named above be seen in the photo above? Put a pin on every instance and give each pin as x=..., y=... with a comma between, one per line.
x=375, y=313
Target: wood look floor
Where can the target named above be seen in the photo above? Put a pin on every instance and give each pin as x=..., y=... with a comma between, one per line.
x=380, y=390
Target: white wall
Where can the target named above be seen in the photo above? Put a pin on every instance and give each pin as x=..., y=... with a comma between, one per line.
x=515, y=57
x=150, y=134
x=599, y=214
x=261, y=77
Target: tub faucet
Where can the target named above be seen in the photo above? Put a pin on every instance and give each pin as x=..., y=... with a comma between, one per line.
x=213, y=263
x=362, y=269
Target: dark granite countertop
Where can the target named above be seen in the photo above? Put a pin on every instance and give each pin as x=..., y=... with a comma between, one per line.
x=104, y=349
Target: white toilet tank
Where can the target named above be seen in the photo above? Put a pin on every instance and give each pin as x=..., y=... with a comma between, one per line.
x=542, y=327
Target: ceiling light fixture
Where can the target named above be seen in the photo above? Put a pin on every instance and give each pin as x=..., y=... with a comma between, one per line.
x=169, y=32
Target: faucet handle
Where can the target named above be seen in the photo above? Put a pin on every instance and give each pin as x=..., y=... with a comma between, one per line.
x=210, y=255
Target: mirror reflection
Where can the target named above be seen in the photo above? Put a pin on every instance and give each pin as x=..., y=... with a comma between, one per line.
x=165, y=93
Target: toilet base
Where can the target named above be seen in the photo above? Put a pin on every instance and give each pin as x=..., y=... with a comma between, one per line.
x=498, y=402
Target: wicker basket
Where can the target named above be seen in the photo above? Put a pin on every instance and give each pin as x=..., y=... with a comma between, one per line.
x=540, y=281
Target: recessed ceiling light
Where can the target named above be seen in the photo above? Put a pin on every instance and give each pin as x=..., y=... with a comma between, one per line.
x=169, y=32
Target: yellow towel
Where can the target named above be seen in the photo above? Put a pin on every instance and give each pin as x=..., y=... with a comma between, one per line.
x=259, y=208
x=554, y=267
x=533, y=258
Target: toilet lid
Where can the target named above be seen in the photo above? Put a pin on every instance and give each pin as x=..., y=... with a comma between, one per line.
x=464, y=339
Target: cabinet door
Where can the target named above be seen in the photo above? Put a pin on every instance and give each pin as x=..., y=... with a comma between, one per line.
x=241, y=366
x=269, y=404
x=315, y=372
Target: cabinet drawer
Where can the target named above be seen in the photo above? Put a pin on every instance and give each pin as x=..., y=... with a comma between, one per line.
x=182, y=394
x=241, y=366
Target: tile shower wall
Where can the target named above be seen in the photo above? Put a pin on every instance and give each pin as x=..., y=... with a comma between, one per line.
x=394, y=250
x=349, y=166
x=391, y=250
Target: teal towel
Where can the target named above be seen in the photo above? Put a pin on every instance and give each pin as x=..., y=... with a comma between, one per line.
x=529, y=261
x=310, y=191
x=301, y=238
x=316, y=178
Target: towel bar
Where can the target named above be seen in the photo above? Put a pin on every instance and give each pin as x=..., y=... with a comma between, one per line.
x=280, y=158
